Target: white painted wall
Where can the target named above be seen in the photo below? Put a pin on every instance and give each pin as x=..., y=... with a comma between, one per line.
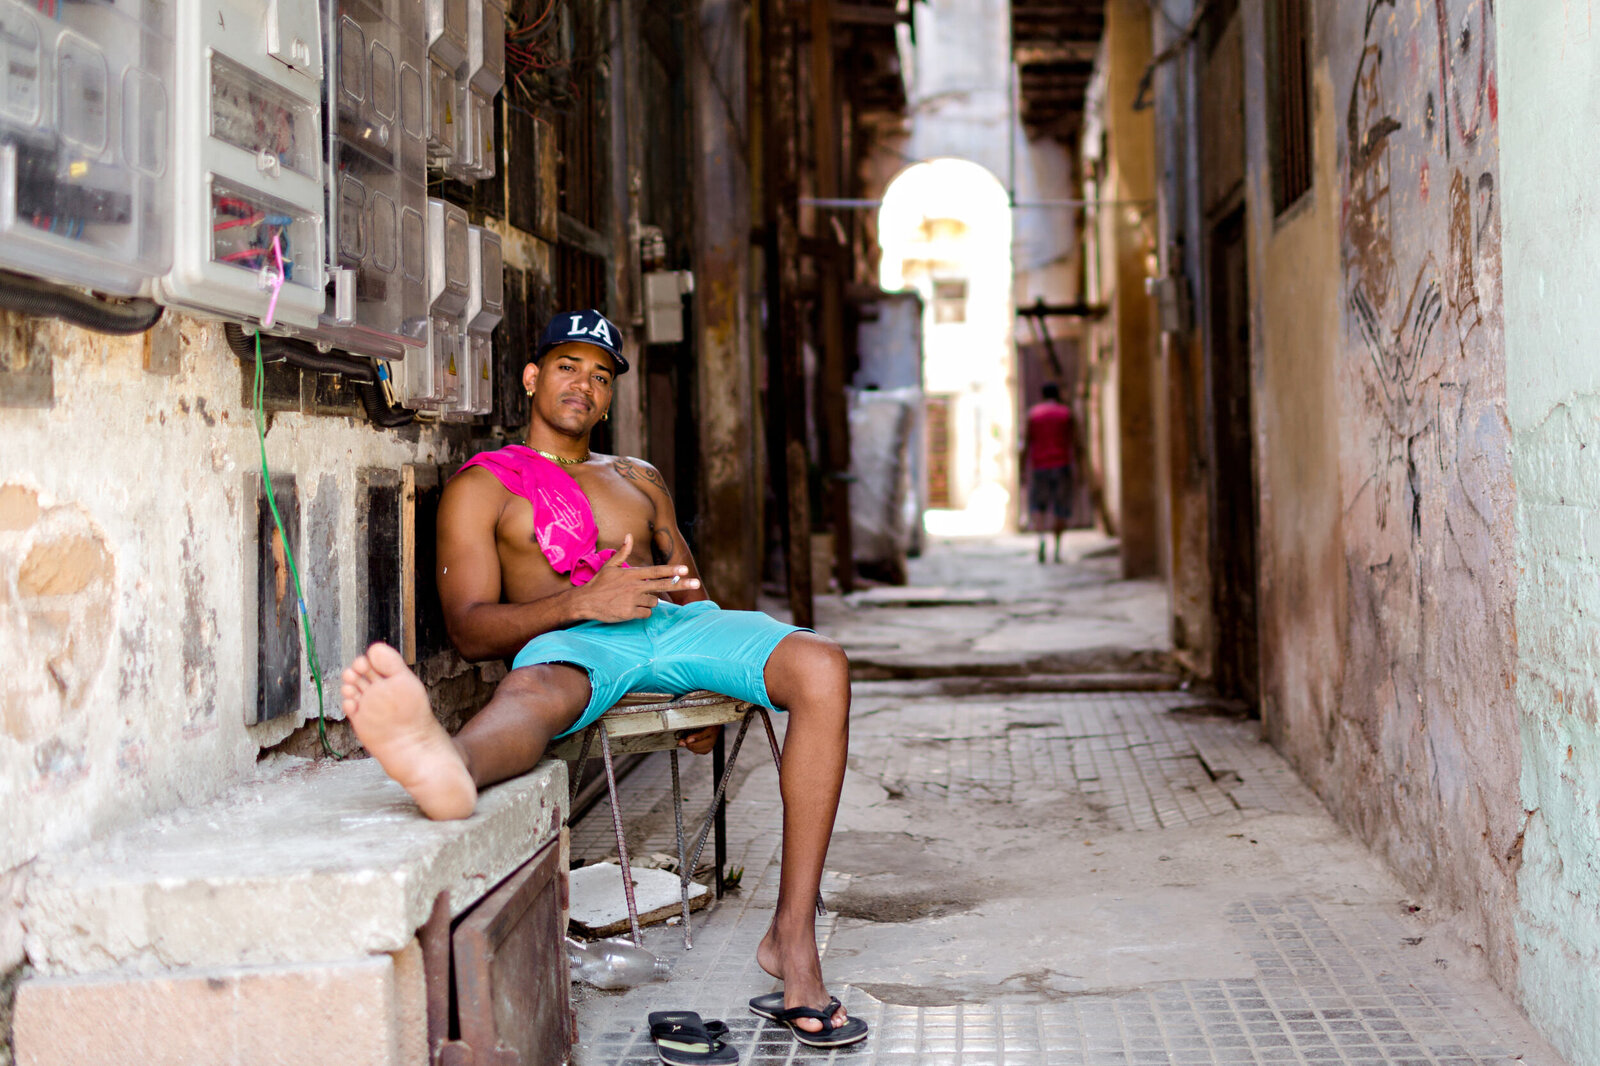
x=1549, y=92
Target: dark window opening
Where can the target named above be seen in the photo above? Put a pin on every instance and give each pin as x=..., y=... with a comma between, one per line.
x=1289, y=89
x=949, y=301
x=581, y=188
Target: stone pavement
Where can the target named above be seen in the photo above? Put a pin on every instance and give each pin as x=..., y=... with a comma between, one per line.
x=1062, y=878
x=987, y=608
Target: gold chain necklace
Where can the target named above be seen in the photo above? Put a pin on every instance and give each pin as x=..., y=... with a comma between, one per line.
x=561, y=459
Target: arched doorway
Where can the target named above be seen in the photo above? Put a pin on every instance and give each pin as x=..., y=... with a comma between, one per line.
x=945, y=232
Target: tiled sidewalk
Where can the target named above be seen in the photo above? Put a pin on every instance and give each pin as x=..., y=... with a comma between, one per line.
x=1331, y=982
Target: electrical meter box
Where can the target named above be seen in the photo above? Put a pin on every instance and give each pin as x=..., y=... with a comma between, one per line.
x=247, y=190
x=485, y=305
x=466, y=158
x=486, y=47
x=86, y=126
x=447, y=28
x=664, y=291
x=481, y=76
x=442, y=106
x=376, y=128
x=430, y=377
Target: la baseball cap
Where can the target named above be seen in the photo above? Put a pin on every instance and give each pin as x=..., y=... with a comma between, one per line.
x=583, y=327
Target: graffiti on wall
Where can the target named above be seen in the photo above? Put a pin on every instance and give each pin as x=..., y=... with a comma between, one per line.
x=1397, y=300
x=1425, y=456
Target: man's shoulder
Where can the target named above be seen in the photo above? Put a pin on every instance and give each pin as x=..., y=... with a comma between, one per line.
x=475, y=481
x=636, y=470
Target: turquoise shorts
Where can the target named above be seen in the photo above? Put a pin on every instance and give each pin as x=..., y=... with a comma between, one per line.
x=678, y=649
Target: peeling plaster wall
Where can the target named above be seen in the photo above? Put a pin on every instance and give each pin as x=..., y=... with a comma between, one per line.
x=1550, y=92
x=1294, y=267
x=1387, y=589
x=127, y=579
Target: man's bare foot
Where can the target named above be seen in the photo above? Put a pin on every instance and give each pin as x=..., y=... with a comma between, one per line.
x=388, y=708
x=800, y=970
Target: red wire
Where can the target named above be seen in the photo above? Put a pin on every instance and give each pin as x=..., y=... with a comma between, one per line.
x=237, y=222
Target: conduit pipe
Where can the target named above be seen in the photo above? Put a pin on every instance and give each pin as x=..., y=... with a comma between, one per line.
x=302, y=356
x=30, y=296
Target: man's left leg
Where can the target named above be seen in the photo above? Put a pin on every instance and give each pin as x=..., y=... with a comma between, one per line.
x=809, y=677
x=1061, y=507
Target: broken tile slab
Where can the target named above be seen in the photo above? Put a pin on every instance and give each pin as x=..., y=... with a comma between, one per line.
x=599, y=908
x=313, y=861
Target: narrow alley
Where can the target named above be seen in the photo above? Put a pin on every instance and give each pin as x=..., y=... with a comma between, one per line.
x=1167, y=421
x=1087, y=867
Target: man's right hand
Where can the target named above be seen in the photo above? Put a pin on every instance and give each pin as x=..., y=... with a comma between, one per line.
x=619, y=593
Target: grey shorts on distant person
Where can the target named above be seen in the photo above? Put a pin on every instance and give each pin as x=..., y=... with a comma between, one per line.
x=1050, y=492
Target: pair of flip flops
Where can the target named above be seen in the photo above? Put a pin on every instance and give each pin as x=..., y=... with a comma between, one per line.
x=770, y=1006
x=683, y=1038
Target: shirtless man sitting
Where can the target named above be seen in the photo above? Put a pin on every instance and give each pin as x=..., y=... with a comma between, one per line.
x=525, y=573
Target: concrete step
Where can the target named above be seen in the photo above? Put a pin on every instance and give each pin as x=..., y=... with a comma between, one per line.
x=1139, y=681
x=870, y=666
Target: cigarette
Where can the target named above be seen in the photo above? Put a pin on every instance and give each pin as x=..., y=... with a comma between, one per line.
x=676, y=578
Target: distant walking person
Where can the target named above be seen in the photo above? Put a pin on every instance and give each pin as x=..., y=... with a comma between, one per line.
x=1047, y=457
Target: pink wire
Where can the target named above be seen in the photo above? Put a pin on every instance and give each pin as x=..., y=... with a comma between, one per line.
x=277, y=283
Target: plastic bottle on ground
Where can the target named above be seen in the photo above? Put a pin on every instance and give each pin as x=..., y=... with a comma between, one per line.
x=617, y=963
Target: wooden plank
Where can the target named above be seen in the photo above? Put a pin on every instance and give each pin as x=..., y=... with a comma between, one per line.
x=831, y=377
x=277, y=607
x=408, y=563
x=655, y=726
x=787, y=458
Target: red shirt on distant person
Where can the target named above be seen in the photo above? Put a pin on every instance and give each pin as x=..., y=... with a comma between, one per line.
x=1049, y=444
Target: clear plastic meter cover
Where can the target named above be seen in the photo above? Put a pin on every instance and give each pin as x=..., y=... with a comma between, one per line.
x=377, y=129
x=452, y=292
x=85, y=140
x=249, y=112
x=494, y=278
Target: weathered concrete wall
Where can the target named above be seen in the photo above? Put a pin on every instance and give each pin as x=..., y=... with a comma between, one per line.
x=1549, y=64
x=1131, y=222
x=1388, y=591
x=958, y=83
x=127, y=579
x=1294, y=280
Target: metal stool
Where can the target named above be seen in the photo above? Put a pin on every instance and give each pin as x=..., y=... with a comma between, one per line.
x=652, y=721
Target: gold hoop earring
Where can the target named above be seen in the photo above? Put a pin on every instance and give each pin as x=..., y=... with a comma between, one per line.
x=606, y=417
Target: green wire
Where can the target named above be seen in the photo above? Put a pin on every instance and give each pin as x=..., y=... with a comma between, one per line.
x=258, y=398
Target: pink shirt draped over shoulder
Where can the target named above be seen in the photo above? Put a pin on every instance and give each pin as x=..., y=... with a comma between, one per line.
x=563, y=521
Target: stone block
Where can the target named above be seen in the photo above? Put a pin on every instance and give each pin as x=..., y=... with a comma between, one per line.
x=352, y=1012
x=315, y=862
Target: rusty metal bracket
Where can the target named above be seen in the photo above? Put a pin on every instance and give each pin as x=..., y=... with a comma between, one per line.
x=434, y=937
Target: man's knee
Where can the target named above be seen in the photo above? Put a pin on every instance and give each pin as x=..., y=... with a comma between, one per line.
x=558, y=685
x=808, y=667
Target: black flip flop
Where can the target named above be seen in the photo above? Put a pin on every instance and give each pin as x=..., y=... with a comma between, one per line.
x=683, y=1039
x=770, y=1007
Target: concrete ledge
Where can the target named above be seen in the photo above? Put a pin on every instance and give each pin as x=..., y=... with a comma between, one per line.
x=313, y=862
x=909, y=666
x=1003, y=685
x=361, y=1012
